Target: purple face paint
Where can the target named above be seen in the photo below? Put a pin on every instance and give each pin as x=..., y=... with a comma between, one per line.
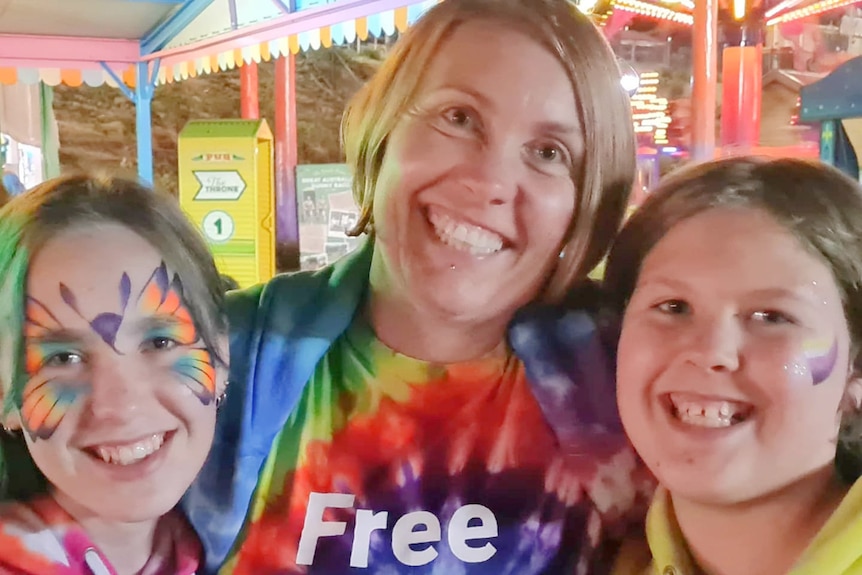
x=45, y=401
x=821, y=356
x=107, y=324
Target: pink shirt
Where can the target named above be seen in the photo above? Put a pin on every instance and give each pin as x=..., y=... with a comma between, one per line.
x=40, y=538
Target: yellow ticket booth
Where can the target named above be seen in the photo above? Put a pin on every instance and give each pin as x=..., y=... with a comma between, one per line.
x=226, y=182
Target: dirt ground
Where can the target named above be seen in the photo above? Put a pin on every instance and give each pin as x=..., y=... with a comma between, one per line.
x=97, y=125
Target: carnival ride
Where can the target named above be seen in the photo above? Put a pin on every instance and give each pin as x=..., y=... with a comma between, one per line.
x=737, y=28
x=135, y=45
x=836, y=102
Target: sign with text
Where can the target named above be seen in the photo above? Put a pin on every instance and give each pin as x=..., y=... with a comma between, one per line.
x=326, y=211
x=226, y=188
x=219, y=185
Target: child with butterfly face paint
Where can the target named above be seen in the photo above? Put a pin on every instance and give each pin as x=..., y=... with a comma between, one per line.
x=738, y=368
x=113, y=358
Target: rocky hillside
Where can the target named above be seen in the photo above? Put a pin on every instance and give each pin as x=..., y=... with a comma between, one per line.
x=97, y=125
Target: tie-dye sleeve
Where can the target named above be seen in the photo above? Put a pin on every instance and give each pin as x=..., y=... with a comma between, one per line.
x=217, y=501
x=569, y=358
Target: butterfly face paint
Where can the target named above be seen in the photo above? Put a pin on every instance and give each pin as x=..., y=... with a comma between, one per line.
x=197, y=370
x=820, y=355
x=46, y=399
x=106, y=324
x=47, y=396
x=137, y=432
x=162, y=297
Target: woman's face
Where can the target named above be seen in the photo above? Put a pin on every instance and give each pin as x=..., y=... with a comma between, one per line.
x=475, y=192
x=733, y=359
x=118, y=405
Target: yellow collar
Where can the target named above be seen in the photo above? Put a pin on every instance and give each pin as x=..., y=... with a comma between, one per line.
x=836, y=550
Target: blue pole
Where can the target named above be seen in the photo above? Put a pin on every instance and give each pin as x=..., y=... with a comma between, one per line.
x=144, y=89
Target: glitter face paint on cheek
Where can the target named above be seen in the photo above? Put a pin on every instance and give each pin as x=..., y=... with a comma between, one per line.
x=820, y=356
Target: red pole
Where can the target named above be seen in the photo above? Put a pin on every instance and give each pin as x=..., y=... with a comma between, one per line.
x=742, y=78
x=249, y=102
x=704, y=79
x=287, y=225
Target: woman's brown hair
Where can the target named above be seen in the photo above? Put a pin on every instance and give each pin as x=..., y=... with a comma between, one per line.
x=605, y=175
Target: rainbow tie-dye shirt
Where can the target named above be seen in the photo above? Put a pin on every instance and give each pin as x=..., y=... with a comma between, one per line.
x=40, y=538
x=531, y=447
x=394, y=465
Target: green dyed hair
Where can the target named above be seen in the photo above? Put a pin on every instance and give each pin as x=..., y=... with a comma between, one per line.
x=30, y=220
x=14, y=260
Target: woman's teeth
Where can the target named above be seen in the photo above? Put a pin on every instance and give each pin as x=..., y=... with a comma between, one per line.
x=465, y=237
x=708, y=413
x=131, y=452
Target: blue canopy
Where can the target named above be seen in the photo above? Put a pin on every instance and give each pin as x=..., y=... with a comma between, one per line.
x=837, y=96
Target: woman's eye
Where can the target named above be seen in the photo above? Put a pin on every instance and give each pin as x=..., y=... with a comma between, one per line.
x=550, y=158
x=63, y=359
x=159, y=343
x=550, y=154
x=458, y=117
x=674, y=307
x=771, y=316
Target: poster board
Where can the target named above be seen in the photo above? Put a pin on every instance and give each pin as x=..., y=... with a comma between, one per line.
x=326, y=211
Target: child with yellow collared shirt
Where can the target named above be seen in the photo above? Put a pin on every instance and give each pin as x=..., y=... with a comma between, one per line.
x=738, y=370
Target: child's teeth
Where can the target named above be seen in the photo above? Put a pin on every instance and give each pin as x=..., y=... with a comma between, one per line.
x=132, y=453
x=706, y=413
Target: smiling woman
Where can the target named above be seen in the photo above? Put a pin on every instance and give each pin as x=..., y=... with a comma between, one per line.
x=413, y=406
x=113, y=339
x=475, y=194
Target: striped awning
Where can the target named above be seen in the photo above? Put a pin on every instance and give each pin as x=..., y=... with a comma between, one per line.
x=385, y=23
x=345, y=33
x=70, y=77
